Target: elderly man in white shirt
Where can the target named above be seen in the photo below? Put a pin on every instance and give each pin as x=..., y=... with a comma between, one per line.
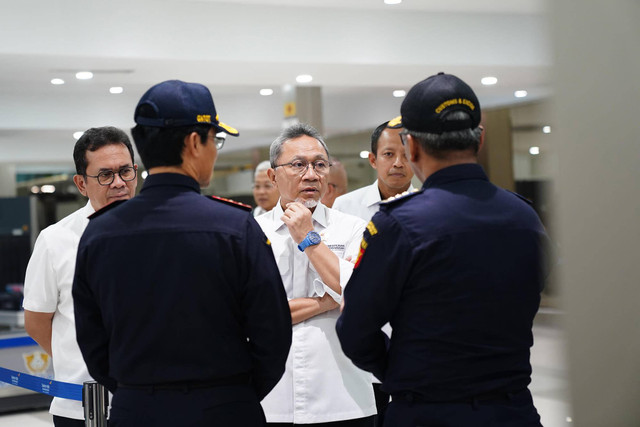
x=387, y=157
x=312, y=245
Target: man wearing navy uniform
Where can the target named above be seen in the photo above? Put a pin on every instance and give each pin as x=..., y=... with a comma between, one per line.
x=179, y=306
x=457, y=270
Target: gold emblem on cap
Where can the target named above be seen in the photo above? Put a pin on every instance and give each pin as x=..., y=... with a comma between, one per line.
x=204, y=118
x=455, y=101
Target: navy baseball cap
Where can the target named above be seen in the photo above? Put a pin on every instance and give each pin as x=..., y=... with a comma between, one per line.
x=177, y=103
x=429, y=102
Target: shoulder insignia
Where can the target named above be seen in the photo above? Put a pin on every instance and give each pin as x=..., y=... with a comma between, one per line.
x=401, y=196
x=369, y=232
x=521, y=197
x=106, y=209
x=230, y=202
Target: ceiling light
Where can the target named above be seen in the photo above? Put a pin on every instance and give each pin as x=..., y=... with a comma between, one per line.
x=534, y=151
x=35, y=189
x=48, y=188
x=364, y=154
x=57, y=81
x=304, y=78
x=144, y=174
x=266, y=92
x=392, y=1
x=84, y=75
x=399, y=93
x=488, y=81
x=116, y=89
x=546, y=129
x=520, y=93
x=77, y=135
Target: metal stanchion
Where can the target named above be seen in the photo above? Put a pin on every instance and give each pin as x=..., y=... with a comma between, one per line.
x=95, y=400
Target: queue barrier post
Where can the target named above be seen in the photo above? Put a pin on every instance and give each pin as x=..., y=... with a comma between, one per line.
x=95, y=400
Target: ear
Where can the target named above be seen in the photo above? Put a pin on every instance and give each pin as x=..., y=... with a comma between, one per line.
x=271, y=174
x=192, y=145
x=414, y=149
x=79, y=181
x=372, y=160
x=481, y=143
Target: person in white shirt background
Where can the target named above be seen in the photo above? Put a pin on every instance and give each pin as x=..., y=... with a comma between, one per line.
x=105, y=172
x=387, y=157
x=265, y=194
x=337, y=182
x=393, y=172
x=311, y=245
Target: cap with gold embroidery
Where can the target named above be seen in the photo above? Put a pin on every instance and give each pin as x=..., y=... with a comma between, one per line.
x=176, y=103
x=429, y=103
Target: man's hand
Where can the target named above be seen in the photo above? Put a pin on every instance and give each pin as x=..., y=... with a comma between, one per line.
x=327, y=303
x=297, y=217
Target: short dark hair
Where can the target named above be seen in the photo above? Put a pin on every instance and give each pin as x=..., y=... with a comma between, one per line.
x=94, y=139
x=375, y=136
x=440, y=145
x=163, y=146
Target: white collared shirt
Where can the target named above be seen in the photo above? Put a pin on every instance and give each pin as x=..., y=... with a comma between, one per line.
x=363, y=202
x=320, y=383
x=47, y=289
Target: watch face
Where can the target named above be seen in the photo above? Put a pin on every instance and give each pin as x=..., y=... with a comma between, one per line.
x=314, y=238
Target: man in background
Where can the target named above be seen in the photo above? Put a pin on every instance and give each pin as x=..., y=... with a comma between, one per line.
x=337, y=182
x=393, y=173
x=105, y=172
x=265, y=194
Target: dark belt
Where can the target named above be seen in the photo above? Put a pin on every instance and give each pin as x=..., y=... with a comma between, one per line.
x=241, y=379
x=480, y=398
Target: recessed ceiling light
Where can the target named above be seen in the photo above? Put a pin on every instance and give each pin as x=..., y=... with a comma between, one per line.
x=35, y=189
x=77, y=135
x=534, y=151
x=304, y=78
x=392, y=1
x=364, y=154
x=266, y=92
x=116, y=89
x=520, y=93
x=48, y=188
x=57, y=81
x=84, y=75
x=488, y=81
x=546, y=129
x=399, y=93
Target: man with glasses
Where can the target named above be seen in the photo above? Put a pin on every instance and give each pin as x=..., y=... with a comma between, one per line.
x=457, y=269
x=180, y=310
x=311, y=244
x=105, y=172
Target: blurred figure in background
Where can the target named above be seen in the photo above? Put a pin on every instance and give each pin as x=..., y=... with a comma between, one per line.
x=336, y=182
x=265, y=194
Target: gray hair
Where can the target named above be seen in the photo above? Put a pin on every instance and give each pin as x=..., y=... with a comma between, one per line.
x=293, y=132
x=262, y=166
x=439, y=145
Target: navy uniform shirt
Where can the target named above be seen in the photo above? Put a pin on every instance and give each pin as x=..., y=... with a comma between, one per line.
x=172, y=286
x=457, y=270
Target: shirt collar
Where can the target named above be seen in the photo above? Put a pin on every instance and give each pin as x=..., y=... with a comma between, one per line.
x=319, y=215
x=88, y=210
x=372, y=195
x=173, y=179
x=455, y=173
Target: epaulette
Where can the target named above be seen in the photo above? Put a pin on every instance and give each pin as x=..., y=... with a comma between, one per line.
x=106, y=208
x=401, y=196
x=230, y=202
x=521, y=197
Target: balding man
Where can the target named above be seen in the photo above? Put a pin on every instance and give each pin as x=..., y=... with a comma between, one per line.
x=336, y=182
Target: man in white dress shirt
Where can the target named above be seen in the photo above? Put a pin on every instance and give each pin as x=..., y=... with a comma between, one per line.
x=311, y=243
x=387, y=157
x=105, y=172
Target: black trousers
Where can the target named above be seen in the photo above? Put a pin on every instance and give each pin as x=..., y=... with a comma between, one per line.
x=220, y=406
x=516, y=410
x=67, y=422
x=358, y=422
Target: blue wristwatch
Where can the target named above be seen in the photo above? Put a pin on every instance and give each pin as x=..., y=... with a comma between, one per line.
x=312, y=238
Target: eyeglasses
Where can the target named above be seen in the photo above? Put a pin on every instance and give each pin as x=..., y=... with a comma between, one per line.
x=219, y=139
x=403, y=136
x=126, y=174
x=300, y=167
